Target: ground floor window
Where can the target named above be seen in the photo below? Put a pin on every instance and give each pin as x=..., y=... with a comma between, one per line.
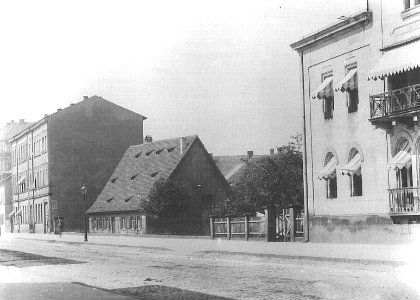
x=331, y=184
x=356, y=185
x=122, y=223
x=139, y=223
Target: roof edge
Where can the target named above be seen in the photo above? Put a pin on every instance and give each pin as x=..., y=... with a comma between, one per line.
x=357, y=19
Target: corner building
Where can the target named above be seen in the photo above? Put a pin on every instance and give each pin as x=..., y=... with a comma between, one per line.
x=53, y=158
x=361, y=95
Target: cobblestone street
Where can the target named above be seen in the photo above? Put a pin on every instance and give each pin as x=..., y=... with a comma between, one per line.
x=163, y=273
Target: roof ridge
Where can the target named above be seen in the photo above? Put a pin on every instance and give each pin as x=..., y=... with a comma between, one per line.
x=164, y=140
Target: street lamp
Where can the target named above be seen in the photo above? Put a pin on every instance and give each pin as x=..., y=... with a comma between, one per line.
x=84, y=192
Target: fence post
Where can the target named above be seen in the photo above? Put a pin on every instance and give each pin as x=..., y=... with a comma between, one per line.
x=247, y=226
x=292, y=223
x=212, y=227
x=228, y=226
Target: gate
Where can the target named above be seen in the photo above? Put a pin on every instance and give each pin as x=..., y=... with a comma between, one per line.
x=290, y=223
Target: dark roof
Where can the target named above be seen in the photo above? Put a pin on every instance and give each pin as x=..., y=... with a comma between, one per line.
x=233, y=166
x=141, y=166
x=11, y=129
x=68, y=108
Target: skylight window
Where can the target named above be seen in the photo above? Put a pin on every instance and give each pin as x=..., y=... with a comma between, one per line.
x=110, y=199
x=171, y=149
x=114, y=179
x=138, y=155
x=134, y=176
x=148, y=153
x=186, y=146
x=128, y=199
x=154, y=174
x=159, y=151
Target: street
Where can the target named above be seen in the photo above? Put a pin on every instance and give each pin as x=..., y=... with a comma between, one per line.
x=159, y=273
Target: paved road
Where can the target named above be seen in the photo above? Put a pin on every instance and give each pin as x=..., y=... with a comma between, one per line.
x=159, y=273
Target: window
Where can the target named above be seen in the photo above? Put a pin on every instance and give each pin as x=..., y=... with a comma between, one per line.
x=325, y=92
x=354, y=171
x=132, y=223
x=122, y=222
x=331, y=181
x=139, y=224
x=134, y=176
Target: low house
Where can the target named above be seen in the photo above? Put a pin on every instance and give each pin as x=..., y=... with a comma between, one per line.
x=183, y=160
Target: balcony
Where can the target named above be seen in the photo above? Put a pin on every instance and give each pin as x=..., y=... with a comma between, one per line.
x=397, y=104
x=404, y=201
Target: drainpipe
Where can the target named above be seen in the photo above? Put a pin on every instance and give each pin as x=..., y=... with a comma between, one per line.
x=305, y=163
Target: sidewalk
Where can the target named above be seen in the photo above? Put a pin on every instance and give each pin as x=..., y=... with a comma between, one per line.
x=359, y=253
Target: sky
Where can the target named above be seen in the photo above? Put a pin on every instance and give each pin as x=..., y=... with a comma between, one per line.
x=221, y=69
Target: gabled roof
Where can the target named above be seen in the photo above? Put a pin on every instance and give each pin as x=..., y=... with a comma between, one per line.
x=233, y=166
x=141, y=166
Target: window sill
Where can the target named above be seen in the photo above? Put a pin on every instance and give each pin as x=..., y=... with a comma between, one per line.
x=410, y=12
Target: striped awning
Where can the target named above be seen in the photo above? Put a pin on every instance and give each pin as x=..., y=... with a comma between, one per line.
x=349, y=82
x=19, y=212
x=21, y=180
x=12, y=214
x=396, y=60
x=329, y=170
x=353, y=166
x=325, y=90
x=400, y=160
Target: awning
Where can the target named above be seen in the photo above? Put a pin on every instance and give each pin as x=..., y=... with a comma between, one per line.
x=19, y=212
x=21, y=180
x=325, y=90
x=400, y=160
x=353, y=166
x=396, y=60
x=329, y=170
x=349, y=82
x=12, y=214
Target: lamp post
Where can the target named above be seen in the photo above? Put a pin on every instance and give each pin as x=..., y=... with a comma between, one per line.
x=84, y=192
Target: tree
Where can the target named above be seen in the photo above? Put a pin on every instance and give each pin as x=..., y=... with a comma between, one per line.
x=166, y=199
x=275, y=180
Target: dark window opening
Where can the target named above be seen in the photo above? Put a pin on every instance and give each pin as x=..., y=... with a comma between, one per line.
x=159, y=151
x=356, y=185
x=154, y=174
x=138, y=155
x=128, y=199
x=148, y=153
x=114, y=179
x=332, y=188
x=134, y=176
x=171, y=149
x=353, y=97
x=406, y=4
x=110, y=199
x=328, y=107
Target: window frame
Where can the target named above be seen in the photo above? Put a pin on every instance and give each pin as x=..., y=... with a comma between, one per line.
x=328, y=103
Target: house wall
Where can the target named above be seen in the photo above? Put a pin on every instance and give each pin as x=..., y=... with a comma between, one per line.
x=86, y=142
x=204, y=182
x=6, y=205
x=345, y=218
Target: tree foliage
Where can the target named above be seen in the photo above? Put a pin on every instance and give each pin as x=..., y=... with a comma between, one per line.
x=275, y=180
x=166, y=199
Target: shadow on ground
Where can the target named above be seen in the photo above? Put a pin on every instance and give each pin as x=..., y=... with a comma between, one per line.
x=158, y=292
x=24, y=259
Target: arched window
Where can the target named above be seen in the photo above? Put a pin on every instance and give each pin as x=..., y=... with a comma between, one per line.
x=354, y=171
x=329, y=174
x=401, y=163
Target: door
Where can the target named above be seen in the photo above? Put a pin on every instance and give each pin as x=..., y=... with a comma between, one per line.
x=112, y=225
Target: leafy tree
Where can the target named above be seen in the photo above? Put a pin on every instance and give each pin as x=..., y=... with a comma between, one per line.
x=275, y=180
x=166, y=199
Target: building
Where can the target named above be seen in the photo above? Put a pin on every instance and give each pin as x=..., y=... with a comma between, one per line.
x=183, y=160
x=361, y=98
x=53, y=158
x=6, y=133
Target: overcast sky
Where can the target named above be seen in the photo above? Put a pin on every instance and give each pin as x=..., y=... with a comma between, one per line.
x=221, y=69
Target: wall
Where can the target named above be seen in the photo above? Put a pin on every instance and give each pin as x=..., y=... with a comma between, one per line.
x=203, y=180
x=86, y=141
x=145, y=227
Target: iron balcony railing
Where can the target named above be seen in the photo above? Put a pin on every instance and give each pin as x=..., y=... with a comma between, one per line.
x=404, y=200
x=396, y=101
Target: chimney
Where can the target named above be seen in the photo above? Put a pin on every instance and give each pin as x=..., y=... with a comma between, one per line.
x=85, y=97
x=21, y=121
x=250, y=154
x=148, y=139
x=71, y=104
x=46, y=115
x=271, y=151
x=59, y=109
x=180, y=144
x=12, y=122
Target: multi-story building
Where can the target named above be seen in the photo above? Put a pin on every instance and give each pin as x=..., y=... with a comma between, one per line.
x=53, y=158
x=361, y=99
x=6, y=133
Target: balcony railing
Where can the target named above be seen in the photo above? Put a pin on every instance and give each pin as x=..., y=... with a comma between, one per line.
x=396, y=101
x=404, y=200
